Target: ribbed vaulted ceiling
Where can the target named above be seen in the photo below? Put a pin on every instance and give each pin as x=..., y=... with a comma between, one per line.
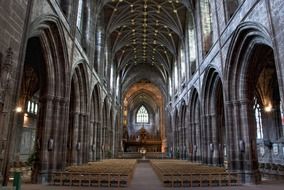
x=145, y=32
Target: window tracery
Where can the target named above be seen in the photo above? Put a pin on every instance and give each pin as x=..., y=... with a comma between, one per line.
x=142, y=115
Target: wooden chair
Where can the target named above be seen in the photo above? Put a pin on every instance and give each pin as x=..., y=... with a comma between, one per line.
x=94, y=180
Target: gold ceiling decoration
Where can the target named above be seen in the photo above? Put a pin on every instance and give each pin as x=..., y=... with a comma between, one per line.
x=145, y=31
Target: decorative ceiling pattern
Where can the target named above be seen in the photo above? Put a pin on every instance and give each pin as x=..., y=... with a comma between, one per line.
x=145, y=32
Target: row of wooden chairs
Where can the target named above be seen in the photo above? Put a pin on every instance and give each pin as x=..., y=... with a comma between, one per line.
x=178, y=173
x=90, y=179
x=107, y=173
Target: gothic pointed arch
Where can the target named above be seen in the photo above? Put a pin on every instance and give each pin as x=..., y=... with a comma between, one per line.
x=50, y=32
x=78, y=152
x=95, y=122
x=246, y=37
x=176, y=139
x=44, y=87
x=183, y=130
x=214, y=118
x=80, y=75
x=195, y=132
x=250, y=73
x=105, y=128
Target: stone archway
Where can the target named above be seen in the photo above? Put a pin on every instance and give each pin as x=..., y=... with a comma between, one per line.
x=77, y=136
x=176, y=134
x=183, y=129
x=252, y=87
x=214, y=120
x=150, y=96
x=94, y=124
x=195, y=143
x=42, y=100
x=105, y=129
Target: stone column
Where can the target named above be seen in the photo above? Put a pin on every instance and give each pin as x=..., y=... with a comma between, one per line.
x=63, y=134
x=55, y=133
x=100, y=137
x=114, y=141
x=86, y=138
x=173, y=145
x=233, y=122
x=103, y=145
x=209, y=139
x=180, y=137
x=179, y=140
x=189, y=141
x=198, y=153
x=95, y=144
x=81, y=151
x=215, y=142
x=204, y=134
x=91, y=141
x=242, y=145
x=43, y=135
x=75, y=139
x=252, y=174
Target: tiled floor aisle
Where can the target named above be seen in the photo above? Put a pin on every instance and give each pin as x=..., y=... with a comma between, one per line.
x=145, y=179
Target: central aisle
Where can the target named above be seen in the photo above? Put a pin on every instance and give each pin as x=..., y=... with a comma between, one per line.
x=145, y=178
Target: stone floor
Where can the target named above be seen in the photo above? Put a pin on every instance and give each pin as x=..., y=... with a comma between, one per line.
x=145, y=178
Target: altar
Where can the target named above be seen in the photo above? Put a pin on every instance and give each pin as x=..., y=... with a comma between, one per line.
x=143, y=141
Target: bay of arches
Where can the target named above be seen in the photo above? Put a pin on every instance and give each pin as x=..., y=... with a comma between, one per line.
x=235, y=120
x=250, y=76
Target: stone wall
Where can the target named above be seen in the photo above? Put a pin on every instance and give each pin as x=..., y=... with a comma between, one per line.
x=265, y=14
x=68, y=53
x=13, y=22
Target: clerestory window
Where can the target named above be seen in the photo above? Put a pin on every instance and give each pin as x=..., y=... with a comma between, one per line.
x=206, y=21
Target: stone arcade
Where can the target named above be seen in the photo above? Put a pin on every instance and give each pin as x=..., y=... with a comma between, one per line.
x=89, y=80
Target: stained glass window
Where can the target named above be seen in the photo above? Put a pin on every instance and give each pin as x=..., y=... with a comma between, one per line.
x=142, y=115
